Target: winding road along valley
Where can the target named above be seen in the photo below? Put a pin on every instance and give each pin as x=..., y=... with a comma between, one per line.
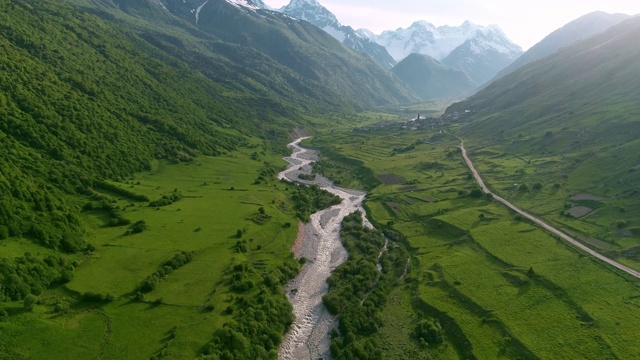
x=542, y=224
x=309, y=337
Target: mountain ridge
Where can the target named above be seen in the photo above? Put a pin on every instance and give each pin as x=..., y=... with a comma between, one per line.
x=578, y=105
x=316, y=14
x=578, y=29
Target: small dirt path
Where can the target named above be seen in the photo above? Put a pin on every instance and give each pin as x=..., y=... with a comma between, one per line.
x=541, y=223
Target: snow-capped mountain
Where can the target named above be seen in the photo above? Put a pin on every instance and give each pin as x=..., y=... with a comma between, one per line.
x=313, y=12
x=484, y=54
x=479, y=51
x=424, y=38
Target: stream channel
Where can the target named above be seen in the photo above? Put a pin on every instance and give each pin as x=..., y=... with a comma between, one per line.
x=309, y=336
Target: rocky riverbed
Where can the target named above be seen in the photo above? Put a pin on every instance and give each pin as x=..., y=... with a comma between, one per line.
x=320, y=244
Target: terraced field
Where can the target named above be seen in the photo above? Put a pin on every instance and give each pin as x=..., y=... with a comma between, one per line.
x=499, y=286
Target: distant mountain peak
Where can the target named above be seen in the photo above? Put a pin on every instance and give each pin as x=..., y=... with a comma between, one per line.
x=311, y=11
x=425, y=38
x=316, y=14
x=302, y=2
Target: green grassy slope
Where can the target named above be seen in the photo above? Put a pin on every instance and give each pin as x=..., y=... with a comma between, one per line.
x=70, y=114
x=569, y=123
x=182, y=314
x=326, y=71
x=579, y=29
x=497, y=287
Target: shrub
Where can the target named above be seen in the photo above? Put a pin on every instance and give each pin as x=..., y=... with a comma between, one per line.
x=29, y=302
x=621, y=224
x=537, y=186
x=476, y=193
x=138, y=227
x=3, y=314
x=429, y=331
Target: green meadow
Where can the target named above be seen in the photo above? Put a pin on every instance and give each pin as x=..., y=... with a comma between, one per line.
x=228, y=214
x=498, y=286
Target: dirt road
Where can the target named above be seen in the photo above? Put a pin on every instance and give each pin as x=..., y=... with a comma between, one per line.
x=541, y=223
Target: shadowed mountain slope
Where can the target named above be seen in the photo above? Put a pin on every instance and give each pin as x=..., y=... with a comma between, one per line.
x=576, y=30
x=432, y=80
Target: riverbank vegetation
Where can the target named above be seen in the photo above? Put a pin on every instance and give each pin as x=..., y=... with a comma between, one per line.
x=188, y=282
x=483, y=282
x=359, y=287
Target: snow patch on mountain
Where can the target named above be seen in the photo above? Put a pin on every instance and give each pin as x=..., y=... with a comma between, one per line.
x=366, y=34
x=243, y=4
x=198, y=11
x=159, y=2
x=336, y=33
x=492, y=38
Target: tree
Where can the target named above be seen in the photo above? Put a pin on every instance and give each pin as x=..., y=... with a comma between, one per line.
x=476, y=193
x=523, y=188
x=531, y=273
x=29, y=302
x=430, y=331
x=621, y=224
x=482, y=217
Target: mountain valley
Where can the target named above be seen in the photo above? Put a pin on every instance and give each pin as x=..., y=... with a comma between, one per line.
x=147, y=210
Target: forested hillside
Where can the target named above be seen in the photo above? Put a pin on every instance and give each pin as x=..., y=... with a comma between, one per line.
x=89, y=97
x=77, y=107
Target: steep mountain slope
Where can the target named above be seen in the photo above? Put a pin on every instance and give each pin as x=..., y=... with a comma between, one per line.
x=578, y=29
x=432, y=80
x=72, y=116
x=98, y=93
x=318, y=15
x=575, y=116
x=305, y=49
x=483, y=55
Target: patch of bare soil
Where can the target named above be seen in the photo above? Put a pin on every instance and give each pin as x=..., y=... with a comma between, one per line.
x=579, y=211
x=585, y=196
x=391, y=179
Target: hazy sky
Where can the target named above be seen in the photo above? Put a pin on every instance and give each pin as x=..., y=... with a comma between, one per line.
x=525, y=22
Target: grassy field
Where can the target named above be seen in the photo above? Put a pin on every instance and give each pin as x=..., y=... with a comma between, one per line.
x=498, y=286
x=219, y=197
